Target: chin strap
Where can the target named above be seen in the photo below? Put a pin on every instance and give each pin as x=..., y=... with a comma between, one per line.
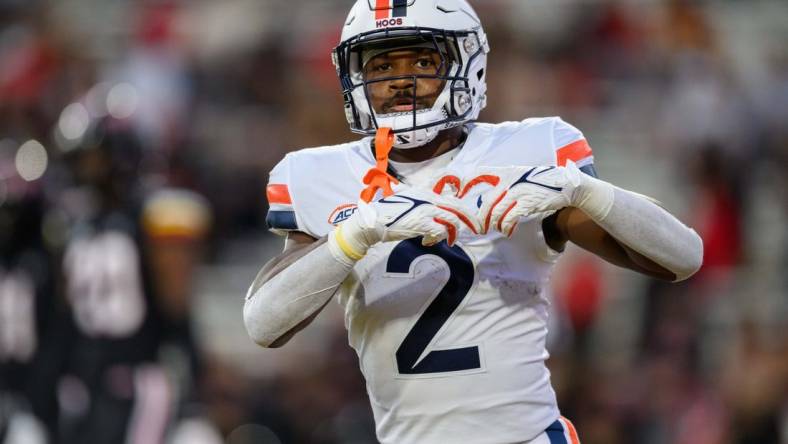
x=378, y=178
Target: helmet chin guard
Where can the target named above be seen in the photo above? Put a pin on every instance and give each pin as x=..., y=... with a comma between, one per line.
x=413, y=138
x=451, y=28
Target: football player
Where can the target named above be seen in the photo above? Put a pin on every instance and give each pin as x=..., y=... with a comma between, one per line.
x=28, y=308
x=127, y=261
x=447, y=313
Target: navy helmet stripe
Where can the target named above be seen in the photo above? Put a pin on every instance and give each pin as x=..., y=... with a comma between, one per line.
x=556, y=433
x=400, y=8
x=281, y=220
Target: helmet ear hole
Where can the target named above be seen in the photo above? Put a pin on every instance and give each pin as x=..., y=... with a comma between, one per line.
x=480, y=74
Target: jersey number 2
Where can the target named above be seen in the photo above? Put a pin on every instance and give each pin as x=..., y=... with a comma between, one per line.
x=437, y=313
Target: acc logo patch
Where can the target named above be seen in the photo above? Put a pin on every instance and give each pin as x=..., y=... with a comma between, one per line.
x=342, y=213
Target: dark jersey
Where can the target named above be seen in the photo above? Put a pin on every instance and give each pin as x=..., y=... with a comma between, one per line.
x=28, y=309
x=111, y=329
x=116, y=327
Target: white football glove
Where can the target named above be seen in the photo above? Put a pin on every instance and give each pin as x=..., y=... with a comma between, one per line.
x=405, y=215
x=528, y=190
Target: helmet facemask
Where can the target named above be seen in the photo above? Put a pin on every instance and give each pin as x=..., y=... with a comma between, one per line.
x=451, y=106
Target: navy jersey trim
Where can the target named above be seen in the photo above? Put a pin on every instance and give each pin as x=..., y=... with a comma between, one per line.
x=590, y=170
x=281, y=220
x=556, y=433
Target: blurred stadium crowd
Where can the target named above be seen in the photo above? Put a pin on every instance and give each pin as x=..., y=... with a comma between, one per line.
x=135, y=142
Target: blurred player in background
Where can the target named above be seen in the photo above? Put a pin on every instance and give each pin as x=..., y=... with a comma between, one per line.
x=27, y=307
x=446, y=311
x=128, y=356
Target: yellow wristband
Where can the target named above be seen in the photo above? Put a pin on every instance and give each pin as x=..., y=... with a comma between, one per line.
x=344, y=246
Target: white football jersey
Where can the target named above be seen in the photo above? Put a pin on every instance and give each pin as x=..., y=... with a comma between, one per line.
x=451, y=340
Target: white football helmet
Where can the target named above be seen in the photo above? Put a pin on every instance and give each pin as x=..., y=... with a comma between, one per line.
x=451, y=27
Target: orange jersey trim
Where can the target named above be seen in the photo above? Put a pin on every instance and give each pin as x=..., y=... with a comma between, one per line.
x=278, y=194
x=575, y=151
x=572, y=432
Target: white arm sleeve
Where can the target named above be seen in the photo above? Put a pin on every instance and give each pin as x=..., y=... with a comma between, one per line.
x=294, y=294
x=645, y=227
